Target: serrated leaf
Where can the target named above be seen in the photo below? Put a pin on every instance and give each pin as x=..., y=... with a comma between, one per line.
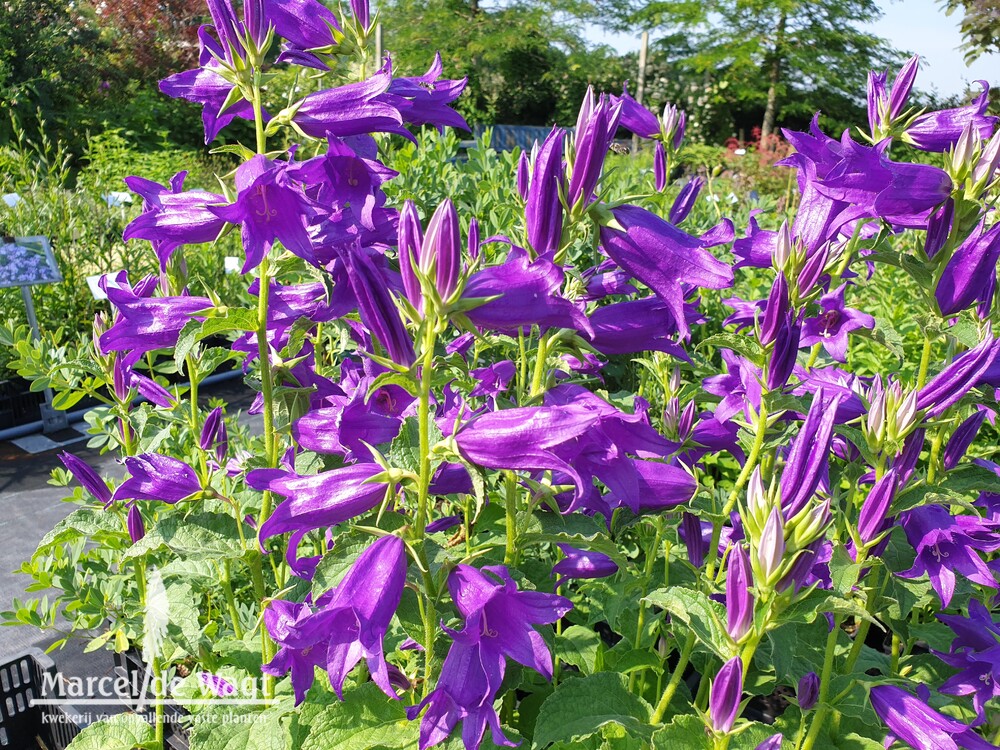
x=235, y=319
x=200, y=536
x=844, y=571
x=579, y=708
x=264, y=731
x=183, y=626
x=404, y=450
x=186, y=341
x=119, y=732
x=742, y=345
x=578, y=646
x=684, y=732
x=366, y=719
x=705, y=617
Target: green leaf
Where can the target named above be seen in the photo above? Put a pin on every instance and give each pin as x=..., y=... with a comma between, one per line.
x=200, y=536
x=120, y=732
x=685, y=732
x=581, y=707
x=705, y=617
x=844, y=571
x=235, y=319
x=579, y=646
x=216, y=730
x=366, y=719
x=742, y=345
x=92, y=523
x=183, y=626
x=186, y=342
x=404, y=451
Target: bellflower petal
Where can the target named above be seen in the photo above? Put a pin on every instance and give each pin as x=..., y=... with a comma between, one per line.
x=739, y=598
x=663, y=257
x=970, y=271
x=939, y=131
x=581, y=563
x=543, y=211
x=90, y=479
x=153, y=476
x=319, y=500
x=955, y=380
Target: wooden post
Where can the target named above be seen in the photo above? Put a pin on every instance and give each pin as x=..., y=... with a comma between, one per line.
x=640, y=87
x=378, y=43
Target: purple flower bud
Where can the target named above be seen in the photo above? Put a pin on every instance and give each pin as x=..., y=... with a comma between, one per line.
x=871, y=521
x=659, y=167
x=739, y=600
x=812, y=270
x=472, y=241
x=786, y=349
x=218, y=686
x=773, y=742
x=776, y=311
x=771, y=546
x=876, y=100
x=939, y=131
x=443, y=524
x=901, y=87
x=543, y=212
x=691, y=532
x=686, y=422
x=988, y=162
x=134, y=523
x=592, y=142
x=724, y=699
x=410, y=242
x=970, y=269
x=906, y=462
x=961, y=439
x=783, y=246
x=679, y=132
x=685, y=200
x=581, y=563
x=523, y=169
x=441, y=252
x=808, y=692
x=361, y=12
x=939, y=227
x=214, y=433
x=85, y=475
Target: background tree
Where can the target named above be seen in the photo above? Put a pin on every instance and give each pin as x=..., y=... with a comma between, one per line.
x=777, y=61
x=526, y=61
x=980, y=25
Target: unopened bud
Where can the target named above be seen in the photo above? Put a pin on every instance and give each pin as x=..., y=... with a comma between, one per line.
x=783, y=247
x=771, y=547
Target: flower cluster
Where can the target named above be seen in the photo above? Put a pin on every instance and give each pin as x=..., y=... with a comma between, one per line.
x=442, y=392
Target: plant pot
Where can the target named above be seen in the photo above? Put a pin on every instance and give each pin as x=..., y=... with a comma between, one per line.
x=23, y=724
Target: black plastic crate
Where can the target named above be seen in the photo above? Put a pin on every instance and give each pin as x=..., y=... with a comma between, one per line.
x=22, y=724
x=131, y=666
x=18, y=405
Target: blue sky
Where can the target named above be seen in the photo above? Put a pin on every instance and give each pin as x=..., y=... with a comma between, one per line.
x=919, y=26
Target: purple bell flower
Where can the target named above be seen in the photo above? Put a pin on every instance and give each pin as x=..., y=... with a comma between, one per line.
x=939, y=131
x=665, y=258
x=377, y=310
x=786, y=350
x=353, y=109
x=153, y=476
x=90, y=479
x=441, y=250
x=349, y=625
x=425, y=100
x=975, y=652
x=961, y=439
x=696, y=535
x=831, y=327
x=920, y=726
x=939, y=227
x=581, y=563
x=955, y=380
x=636, y=326
x=318, y=500
x=775, y=310
x=171, y=217
x=529, y=294
x=875, y=508
x=970, y=271
x=635, y=117
x=946, y=545
x=595, y=132
x=214, y=434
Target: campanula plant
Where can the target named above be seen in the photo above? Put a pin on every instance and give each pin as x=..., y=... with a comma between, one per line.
x=459, y=526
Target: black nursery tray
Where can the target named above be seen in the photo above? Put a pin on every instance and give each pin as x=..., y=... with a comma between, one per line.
x=23, y=724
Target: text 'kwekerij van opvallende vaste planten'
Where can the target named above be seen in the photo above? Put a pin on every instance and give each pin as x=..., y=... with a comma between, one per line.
x=457, y=528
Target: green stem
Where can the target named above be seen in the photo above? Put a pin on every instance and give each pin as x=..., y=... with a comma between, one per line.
x=158, y=690
x=751, y=464
x=510, y=548
x=813, y=354
x=935, y=454
x=675, y=680
x=822, y=708
x=227, y=588
x=258, y=116
x=429, y=612
x=865, y=625
x=423, y=426
x=540, y=362
x=925, y=360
